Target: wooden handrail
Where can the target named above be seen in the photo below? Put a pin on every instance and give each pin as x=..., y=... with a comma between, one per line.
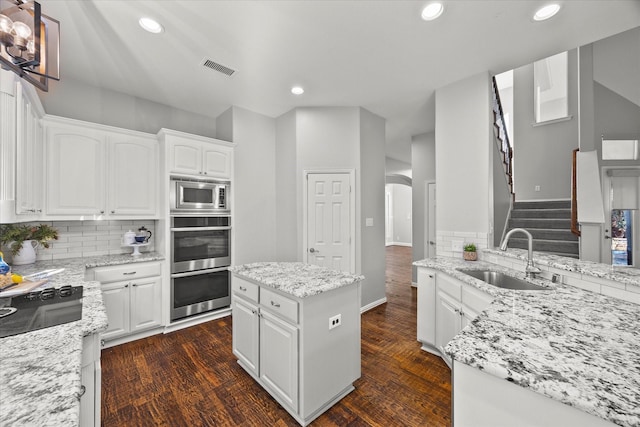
x=574, y=194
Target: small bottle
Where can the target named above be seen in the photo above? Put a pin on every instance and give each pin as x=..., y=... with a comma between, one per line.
x=5, y=273
x=4, y=267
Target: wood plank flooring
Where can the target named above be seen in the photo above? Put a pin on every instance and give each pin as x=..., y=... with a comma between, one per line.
x=190, y=377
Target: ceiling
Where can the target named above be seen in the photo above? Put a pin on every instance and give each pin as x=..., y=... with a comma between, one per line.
x=376, y=54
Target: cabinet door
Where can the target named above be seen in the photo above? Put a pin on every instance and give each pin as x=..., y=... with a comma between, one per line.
x=279, y=359
x=133, y=176
x=185, y=158
x=28, y=158
x=426, y=317
x=216, y=162
x=448, y=319
x=146, y=304
x=245, y=333
x=75, y=172
x=116, y=301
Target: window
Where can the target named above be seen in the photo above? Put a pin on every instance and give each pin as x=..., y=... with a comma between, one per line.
x=550, y=80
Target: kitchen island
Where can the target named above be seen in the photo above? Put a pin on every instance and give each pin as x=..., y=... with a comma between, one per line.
x=570, y=345
x=296, y=331
x=40, y=371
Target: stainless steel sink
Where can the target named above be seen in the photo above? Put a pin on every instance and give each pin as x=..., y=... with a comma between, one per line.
x=502, y=280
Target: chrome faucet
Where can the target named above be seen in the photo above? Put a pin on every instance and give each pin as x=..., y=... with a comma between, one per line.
x=531, y=269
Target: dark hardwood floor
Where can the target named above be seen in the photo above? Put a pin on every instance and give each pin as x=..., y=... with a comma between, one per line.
x=191, y=378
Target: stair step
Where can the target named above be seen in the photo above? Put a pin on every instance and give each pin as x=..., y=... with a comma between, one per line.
x=541, y=213
x=557, y=246
x=552, y=234
x=551, y=204
x=547, y=223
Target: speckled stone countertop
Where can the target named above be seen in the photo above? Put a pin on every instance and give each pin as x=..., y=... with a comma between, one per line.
x=626, y=275
x=40, y=370
x=574, y=346
x=295, y=278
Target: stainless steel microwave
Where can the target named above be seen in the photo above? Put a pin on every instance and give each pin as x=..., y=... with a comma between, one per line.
x=197, y=196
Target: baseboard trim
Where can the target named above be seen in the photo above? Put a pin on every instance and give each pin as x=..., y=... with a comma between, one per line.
x=373, y=305
x=409, y=245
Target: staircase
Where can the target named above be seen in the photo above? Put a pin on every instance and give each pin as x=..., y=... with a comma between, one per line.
x=550, y=225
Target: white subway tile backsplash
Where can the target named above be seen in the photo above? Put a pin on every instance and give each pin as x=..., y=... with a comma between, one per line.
x=77, y=239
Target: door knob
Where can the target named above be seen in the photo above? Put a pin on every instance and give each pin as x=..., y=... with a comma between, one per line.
x=607, y=237
x=312, y=250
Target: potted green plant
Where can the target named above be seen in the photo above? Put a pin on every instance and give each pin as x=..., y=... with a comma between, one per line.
x=469, y=252
x=23, y=239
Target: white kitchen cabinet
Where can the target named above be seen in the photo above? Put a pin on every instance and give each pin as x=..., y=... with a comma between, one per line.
x=192, y=155
x=20, y=150
x=91, y=380
x=132, y=296
x=426, y=325
x=99, y=172
x=286, y=344
x=445, y=306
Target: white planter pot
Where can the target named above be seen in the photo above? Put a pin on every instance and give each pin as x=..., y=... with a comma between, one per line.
x=26, y=255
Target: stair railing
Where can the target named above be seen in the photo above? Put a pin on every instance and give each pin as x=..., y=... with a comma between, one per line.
x=502, y=138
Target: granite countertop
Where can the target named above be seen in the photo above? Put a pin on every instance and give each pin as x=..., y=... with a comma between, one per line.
x=296, y=278
x=40, y=370
x=620, y=274
x=572, y=345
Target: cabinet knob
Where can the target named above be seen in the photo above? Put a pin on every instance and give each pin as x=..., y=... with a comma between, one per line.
x=134, y=285
x=126, y=286
x=101, y=212
x=275, y=304
x=243, y=289
x=113, y=212
x=205, y=173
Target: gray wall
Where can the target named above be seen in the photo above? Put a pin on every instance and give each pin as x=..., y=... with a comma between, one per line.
x=423, y=166
x=254, y=188
x=501, y=197
x=463, y=142
x=543, y=153
x=372, y=176
x=288, y=207
x=77, y=100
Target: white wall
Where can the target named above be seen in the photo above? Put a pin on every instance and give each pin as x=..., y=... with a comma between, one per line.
x=401, y=214
x=77, y=100
x=423, y=165
x=396, y=167
x=288, y=206
x=463, y=141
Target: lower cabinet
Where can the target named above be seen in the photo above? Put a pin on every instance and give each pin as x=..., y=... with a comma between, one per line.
x=445, y=306
x=91, y=379
x=134, y=305
x=287, y=345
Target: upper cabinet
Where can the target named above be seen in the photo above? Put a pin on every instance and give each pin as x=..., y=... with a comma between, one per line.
x=20, y=150
x=99, y=172
x=197, y=156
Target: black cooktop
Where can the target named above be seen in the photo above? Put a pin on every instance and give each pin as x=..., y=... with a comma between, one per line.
x=40, y=309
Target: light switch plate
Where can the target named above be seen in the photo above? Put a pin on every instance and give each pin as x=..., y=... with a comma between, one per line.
x=369, y=222
x=456, y=245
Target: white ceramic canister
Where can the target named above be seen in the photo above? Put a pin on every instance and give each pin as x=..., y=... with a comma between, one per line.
x=129, y=238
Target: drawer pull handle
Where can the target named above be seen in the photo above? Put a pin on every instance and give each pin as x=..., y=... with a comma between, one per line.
x=243, y=289
x=129, y=273
x=83, y=390
x=275, y=304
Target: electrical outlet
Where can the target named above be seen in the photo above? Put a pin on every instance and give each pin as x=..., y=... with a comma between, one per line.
x=335, y=321
x=456, y=245
x=537, y=188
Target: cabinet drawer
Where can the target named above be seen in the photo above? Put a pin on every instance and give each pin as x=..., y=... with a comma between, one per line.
x=449, y=285
x=475, y=298
x=118, y=273
x=244, y=288
x=285, y=307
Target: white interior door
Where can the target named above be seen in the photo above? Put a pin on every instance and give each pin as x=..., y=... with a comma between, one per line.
x=328, y=220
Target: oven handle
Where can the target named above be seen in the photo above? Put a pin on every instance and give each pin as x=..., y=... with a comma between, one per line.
x=201, y=228
x=198, y=272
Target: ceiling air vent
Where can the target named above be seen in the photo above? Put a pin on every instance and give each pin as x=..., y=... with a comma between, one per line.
x=218, y=67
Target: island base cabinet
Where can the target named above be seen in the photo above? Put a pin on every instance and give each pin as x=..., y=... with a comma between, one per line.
x=483, y=400
x=91, y=380
x=286, y=344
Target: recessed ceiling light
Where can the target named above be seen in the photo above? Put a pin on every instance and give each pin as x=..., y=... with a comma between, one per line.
x=150, y=25
x=432, y=11
x=297, y=90
x=546, y=12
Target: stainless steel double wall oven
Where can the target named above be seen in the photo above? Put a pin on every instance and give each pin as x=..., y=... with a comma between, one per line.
x=200, y=247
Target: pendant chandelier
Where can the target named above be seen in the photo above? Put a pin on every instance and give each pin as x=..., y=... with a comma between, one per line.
x=29, y=42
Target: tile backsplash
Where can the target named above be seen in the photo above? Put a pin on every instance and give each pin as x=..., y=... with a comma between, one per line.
x=78, y=239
